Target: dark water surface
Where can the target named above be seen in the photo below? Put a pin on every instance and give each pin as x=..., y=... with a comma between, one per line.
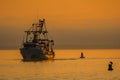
x=66, y=66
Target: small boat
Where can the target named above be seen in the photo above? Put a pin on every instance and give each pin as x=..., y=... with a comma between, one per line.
x=37, y=45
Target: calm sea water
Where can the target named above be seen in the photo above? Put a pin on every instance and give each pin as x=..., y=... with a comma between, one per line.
x=66, y=66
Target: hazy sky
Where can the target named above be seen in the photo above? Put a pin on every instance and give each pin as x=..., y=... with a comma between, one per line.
x=72, y=23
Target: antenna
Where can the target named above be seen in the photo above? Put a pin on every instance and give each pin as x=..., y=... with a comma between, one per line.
x=37, y=18
x=37, y=10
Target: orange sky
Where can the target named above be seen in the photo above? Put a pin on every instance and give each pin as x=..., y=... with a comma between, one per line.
x=82, y=22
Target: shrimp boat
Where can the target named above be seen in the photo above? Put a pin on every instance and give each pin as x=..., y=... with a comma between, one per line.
x=36, y=44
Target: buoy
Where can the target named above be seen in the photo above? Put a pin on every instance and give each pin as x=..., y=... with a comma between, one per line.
x=110, y=66
x=82, y=56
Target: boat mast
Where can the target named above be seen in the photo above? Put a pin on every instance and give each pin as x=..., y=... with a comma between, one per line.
x=38, y=34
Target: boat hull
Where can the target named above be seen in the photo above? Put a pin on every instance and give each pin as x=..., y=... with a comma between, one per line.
x=33, y=54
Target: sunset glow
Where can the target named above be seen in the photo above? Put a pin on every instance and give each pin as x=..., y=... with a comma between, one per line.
x=81, y=23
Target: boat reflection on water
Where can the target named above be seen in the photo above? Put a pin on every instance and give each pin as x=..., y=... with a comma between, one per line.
x=41, y=61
